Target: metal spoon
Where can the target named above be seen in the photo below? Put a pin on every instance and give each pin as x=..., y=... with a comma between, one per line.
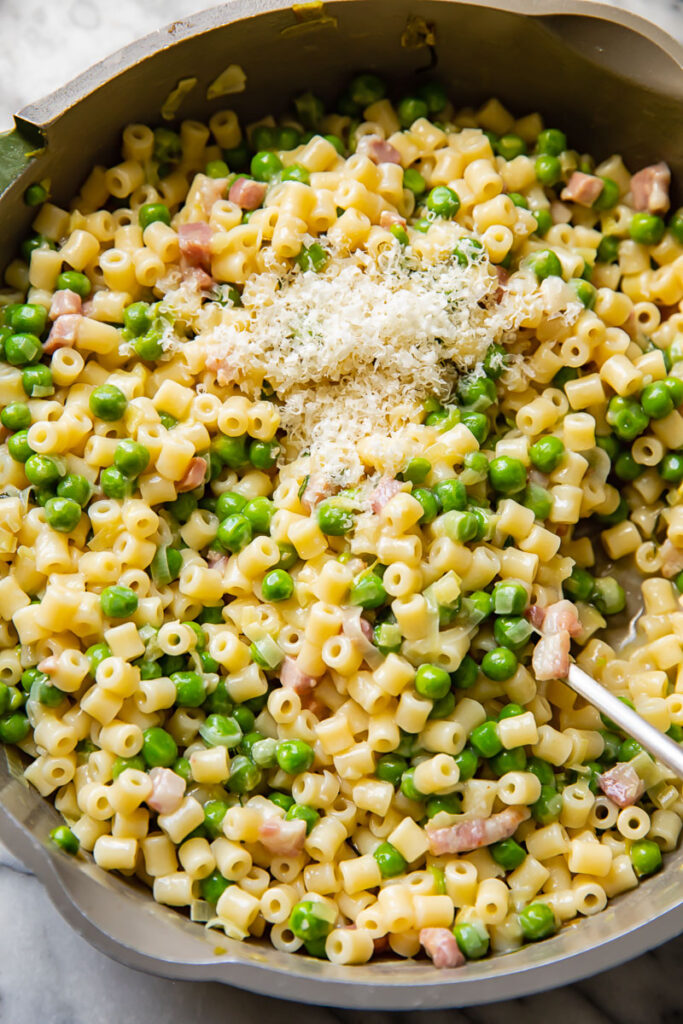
x=655, y=742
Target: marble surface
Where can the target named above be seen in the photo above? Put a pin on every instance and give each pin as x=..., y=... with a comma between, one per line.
x=48, y=974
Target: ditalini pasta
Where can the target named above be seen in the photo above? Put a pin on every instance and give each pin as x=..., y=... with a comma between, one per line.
x=325, y=444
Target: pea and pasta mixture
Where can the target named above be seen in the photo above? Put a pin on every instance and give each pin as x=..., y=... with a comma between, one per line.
x=327, y=441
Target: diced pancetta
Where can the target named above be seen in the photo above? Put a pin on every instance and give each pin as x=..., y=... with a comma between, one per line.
x=282, y=838
x=317, y=488
x=293, y=678
x=193, y=476
x=198, y=279
x=582, y=188
x=439, y=944
x=247, y=194
x=477, y=832
x=389, y=219
x=550, y=659
x=503, y=276
x=650, y=188
x=622, y=784
x=359, y=630
x=378, y=150
x=65, y=301
x=168, y=790
x=63, y=332
x=384, y=492
x=48, y=665
x=561, y=615
x=195, y=241
x=226, y=371
x=535, y=613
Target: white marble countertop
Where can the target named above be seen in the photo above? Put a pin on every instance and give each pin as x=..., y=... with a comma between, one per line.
x=48, y=974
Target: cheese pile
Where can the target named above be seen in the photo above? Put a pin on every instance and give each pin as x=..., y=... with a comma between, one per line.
x=355, y=349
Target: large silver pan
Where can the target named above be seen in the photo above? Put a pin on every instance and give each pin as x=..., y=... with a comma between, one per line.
x=613, y=80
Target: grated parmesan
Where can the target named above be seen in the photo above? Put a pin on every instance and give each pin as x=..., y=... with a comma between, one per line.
x=355, y=349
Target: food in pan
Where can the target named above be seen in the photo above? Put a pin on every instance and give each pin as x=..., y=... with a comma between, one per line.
x=327, y=442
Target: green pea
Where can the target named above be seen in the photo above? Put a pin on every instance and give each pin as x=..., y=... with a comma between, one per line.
x=495, y=361
x=337, y=143
x=390, y=768
x=23, y=349
x=158, y=748
x=108, y=403
x=283, y=800
x=537, y=921
x=296, y=172
x=656, y=400
x=75, y=282
x=472, y=938
x=413, y=180
x=214, y=813
x=96, y=655
x=118, y=602
x=36, y=195
x=432, y=681
x=14, y=727
x=578, y=586
x=548, y=169
x=334, y=519
x=646, y=228
x=542, y=770
x=294, y=756
x=512, y=631
x=37, y=381
x=544, y=221
x=150, y=670
x=676, y=225
x=167, y=146
x=608, y=250
x=313, y=257
x=551, y=141
x=63, y=837
x=76, y=487
x=213, y=886
x=311, y=921
x=671, y=467
x=508, y=853
x=265, y=165
x=674, y=386
x=238, y=157
x=387, y=637
x=190, y=689
x=299, y=812
x=620, y=514
x=368, y=591
x=429, y=502
x=539, y=500
x=499, y=664
x=612, y=743
x=234, y=533
x=28, y=318
x=277, y=585
x=626, y=417
x=62, y=514
x=609, y=197
x=467, y=762
x=608, y=596
x=166, y=565
x=519, y=200
x=229, y=503
x=584, y=290
x=629, y=749
x=220, y=731
x=626, y=467
x=416, y=470
x=411, y=109
x=443, y=201
x=484, y=738
x=507, y=475
x=434, y=96
x=544, y=263
x=408, y=787
x=115, y=484
x=259, y=512
x=122, y=764
x=137, y=318
x=477, y=424
x=310, y=110
x=367, y=89
x=510, y=146
x=42, y=470
x=149, y=345
x=477, y=392
x=451, y=495
x=212, y=614
x=244, y=775
x=450, y=804
x=16, y=416
x=465, y=675
x=509, y=761
x=131, y=457
x=548, y=807
x=390, y=861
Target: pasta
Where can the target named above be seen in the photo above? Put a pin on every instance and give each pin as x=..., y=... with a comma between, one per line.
x=289, y=584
